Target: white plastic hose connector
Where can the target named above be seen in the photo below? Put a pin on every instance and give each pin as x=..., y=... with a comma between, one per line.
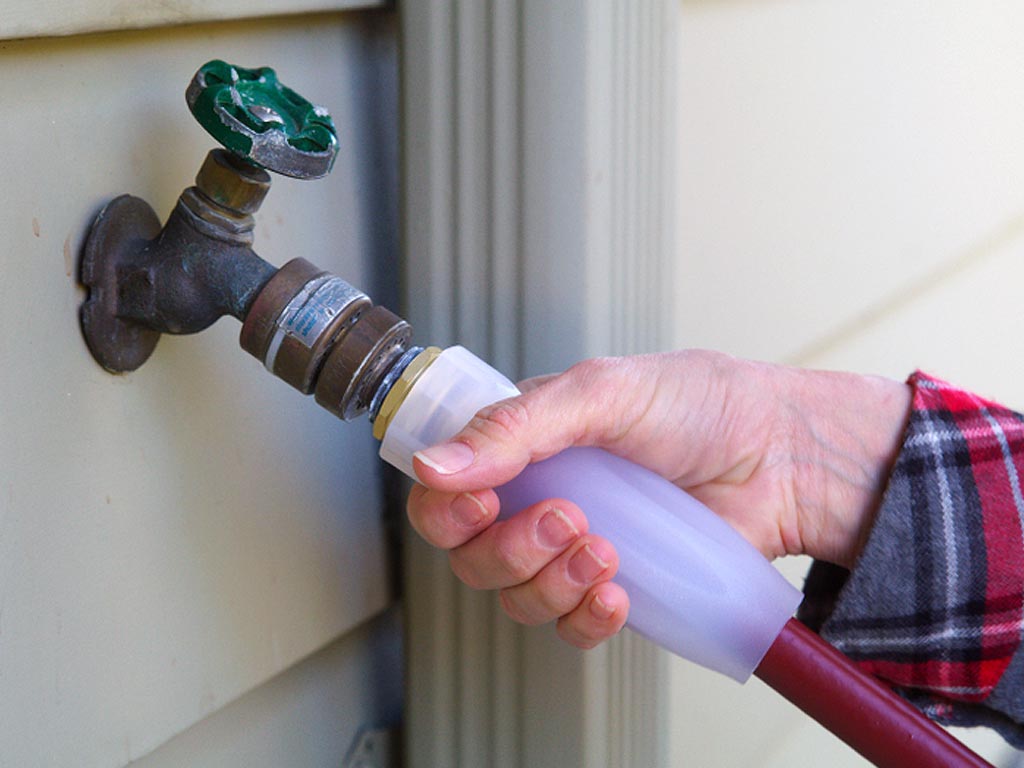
x=444, y=399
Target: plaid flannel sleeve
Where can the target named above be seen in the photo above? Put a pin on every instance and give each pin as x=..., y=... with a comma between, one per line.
x=935, y=603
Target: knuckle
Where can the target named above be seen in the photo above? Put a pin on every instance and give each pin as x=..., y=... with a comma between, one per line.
x=573, y=636
x=414, y=502
x=553, y=597
x=424, y=520
x=418, y=521
x=513, y=610
x=508, y=553
x=522, y=606
x=463, y=570
x=555, y=604
x=502, y=420
x=594, y=369
x=607, y=393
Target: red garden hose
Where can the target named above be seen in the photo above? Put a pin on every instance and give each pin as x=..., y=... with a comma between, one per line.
x=859, y=709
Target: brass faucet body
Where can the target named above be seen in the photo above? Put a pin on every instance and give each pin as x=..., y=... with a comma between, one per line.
x=308, y=327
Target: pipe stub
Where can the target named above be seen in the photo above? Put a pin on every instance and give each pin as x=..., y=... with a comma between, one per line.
x=297, y=318
x=260, y=323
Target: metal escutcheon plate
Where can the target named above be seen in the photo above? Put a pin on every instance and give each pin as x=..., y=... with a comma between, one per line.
x=119, y=232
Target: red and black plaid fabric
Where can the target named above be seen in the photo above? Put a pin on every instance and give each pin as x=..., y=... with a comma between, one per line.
x=935, y=604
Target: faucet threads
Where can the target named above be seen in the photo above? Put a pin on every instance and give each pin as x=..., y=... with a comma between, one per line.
x=394, y=372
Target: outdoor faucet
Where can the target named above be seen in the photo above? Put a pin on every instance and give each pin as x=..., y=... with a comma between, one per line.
x=310, y=328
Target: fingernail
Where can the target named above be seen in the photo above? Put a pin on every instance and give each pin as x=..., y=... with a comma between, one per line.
x=586, y=565
x=555, y=529
x=447, y=458
x=468, y=510
x=600, y=610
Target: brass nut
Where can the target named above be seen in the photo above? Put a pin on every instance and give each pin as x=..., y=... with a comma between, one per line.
x=231, y=183
x=356, y=364
x=216, y=221
x=401, y=388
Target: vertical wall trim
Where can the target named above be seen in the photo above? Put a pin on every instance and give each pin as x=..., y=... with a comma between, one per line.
x=537, y=201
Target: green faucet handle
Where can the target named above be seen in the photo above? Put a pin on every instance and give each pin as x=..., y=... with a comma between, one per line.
x=255, y=116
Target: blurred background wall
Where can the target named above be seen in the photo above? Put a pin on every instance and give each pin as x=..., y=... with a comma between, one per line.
x=851, y=196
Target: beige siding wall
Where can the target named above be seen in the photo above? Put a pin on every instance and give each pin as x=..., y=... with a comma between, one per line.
x=174, y=538
x=852, y=196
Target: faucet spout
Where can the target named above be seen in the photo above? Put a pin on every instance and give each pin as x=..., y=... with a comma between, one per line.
x=185, y=281
x=145, y=280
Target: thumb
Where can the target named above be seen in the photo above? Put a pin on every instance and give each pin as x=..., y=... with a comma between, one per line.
x=577, y=407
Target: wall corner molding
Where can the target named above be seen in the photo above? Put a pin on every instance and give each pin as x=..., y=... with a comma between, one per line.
x=538, y=143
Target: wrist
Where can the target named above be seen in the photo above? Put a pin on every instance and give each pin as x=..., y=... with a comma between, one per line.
x=848, y=430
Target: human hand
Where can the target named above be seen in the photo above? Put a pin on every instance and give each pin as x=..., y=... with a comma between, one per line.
x=794, y=459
